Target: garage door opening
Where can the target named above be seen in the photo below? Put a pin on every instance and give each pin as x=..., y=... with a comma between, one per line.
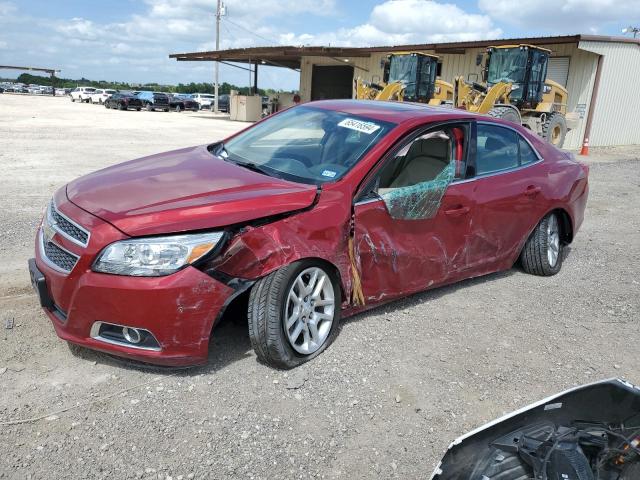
x=335, y=81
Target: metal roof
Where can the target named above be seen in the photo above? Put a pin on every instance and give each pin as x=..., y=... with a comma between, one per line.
x=290, y=56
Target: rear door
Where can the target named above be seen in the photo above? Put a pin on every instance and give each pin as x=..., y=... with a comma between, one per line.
x=412, y=218
x=509, y=178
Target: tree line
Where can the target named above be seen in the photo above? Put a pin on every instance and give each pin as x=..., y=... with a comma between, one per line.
x=180, y=88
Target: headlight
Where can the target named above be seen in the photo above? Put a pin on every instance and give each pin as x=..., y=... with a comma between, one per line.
x=154, y=257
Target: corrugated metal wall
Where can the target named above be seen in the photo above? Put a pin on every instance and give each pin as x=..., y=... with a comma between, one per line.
x=617, y=110
x=580, y=82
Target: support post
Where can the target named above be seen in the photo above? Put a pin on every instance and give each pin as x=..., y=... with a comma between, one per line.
x=217, y=65
x=255, y=77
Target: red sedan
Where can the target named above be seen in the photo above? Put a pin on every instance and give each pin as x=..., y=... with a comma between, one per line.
x=314, y=213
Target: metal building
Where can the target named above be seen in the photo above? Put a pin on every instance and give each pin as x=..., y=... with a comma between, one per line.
x=601, y=74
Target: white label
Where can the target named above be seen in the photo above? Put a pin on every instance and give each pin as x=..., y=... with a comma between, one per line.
x=358, y=125
x=328, y=173
x=552, y=406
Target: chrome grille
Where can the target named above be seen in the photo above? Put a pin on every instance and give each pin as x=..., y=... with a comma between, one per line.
x=66, y=227
x=57, y=257
x=71, y=229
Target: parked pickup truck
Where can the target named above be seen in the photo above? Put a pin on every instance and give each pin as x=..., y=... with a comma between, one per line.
x=154, y=101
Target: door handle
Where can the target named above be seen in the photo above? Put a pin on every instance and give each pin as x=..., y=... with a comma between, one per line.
x=532, y=190
x=457, y=211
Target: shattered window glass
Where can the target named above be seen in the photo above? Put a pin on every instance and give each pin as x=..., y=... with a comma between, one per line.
x=413, y=183
x=421, y=200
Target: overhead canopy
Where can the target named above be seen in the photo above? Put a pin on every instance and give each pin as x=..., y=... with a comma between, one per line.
x=291, y=56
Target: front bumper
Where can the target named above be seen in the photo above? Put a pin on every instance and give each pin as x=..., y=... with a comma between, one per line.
x=180, y=310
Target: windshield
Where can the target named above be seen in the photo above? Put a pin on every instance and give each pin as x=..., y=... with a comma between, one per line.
x=306, y=144
x=403, y=68
x=507, y=65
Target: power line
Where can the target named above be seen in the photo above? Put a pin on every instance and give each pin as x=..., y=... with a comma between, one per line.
x=252, y=33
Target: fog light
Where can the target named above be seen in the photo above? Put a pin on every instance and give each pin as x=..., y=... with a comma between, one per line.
x=131, y=335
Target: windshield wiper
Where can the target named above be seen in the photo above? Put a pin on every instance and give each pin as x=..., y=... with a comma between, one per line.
x=253, y=166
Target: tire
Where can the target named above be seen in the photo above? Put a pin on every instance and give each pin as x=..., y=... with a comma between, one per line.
x=73, y=99
x=554, y=130
x=537, y=256
x=149, y=107
x=106, y=105
x=270, y=303
x=122, y=106
x=166, y=110
x=178, y=108
x=138, y=109
x=506, y=113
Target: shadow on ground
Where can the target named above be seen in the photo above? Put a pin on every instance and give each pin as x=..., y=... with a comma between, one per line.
x=230, y=342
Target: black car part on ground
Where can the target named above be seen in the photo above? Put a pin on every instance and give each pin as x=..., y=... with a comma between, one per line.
x=587, y=433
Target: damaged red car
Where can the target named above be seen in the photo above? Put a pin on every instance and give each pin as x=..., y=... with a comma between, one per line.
x=314, y=213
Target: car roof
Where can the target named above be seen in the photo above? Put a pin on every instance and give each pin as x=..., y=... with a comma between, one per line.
x=389, y=111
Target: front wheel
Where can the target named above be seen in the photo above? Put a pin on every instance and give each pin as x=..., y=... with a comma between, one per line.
x=294, y=314
x=506, y=113
x=542, y=254
x=554, y=129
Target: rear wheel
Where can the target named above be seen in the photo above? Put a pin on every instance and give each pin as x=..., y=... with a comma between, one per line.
x=123, y=106
x=293, y=314
x=178, y=108
x=542, y=254
x=106, y=105
x=506, y=113
x=554, y=129
x=149, y=107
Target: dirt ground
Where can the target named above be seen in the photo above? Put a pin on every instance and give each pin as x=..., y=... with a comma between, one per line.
x=383, y=401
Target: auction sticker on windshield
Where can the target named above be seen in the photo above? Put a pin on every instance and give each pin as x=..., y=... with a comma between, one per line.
x=359, y=125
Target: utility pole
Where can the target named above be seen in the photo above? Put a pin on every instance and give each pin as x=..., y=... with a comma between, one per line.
x=219, y=13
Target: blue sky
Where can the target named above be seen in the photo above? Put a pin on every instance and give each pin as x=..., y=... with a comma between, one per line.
x=130, y=40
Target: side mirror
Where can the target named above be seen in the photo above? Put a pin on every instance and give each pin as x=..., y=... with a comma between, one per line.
x=479, y=58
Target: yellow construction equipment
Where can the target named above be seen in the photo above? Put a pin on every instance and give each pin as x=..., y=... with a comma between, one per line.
x=408, y=77
x=515, y=88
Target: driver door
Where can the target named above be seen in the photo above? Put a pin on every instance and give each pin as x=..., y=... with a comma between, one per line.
x=412, y=219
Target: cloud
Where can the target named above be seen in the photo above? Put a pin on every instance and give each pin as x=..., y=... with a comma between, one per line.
x=7, y=9
x=404, y=22
x=556, y=16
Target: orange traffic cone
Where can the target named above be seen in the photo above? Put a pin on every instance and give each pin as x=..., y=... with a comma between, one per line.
x=585, y=147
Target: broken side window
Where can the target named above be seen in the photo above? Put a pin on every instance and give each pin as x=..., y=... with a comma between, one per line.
x=413, y=183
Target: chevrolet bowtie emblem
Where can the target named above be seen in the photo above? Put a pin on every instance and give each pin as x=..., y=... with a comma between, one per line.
x=48, y=231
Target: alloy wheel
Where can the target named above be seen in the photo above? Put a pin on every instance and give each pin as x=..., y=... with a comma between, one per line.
x=309, y=311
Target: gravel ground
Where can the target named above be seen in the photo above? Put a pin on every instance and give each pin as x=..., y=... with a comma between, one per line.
x=384, y=401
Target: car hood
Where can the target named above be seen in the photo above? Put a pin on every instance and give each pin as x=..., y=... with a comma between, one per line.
x=188, y=189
